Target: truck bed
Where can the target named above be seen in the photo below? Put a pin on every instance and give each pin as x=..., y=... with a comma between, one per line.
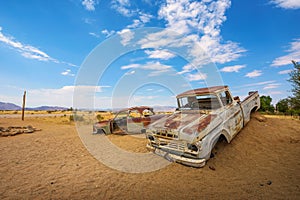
x=250, y=104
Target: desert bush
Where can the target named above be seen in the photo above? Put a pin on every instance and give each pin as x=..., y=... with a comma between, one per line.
x=71, y=118
x=76, y=118
x=99, y=117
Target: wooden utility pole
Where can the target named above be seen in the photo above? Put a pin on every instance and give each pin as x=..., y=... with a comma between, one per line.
x=23, y=107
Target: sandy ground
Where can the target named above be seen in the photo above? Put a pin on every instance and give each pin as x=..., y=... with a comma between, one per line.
x=262, y=162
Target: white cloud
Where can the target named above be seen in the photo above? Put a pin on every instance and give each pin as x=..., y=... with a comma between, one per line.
x=26, y=50
x=131, y=66
x=63, y=96
x=29, y=51
x=272, y=86
x=293, y=54
x=123, y=7
x=126, y=36
x=271, y=93
x=258, y=83
x=187, y=68
x=192, y=73
x=129, y=73
x=136, y=23
x=67, y=72
x=107, y=33
x=89, y=4
x=164, y=38
x=160, y=54
x=220, y=52
x=144, y=17
x=88, y=20
x=156, y=68
x=141, y=21
x=275, y=92
x=287, y=4
x=193, y=25
x=94, y=34
x=234, y=68
x=151, y=100
x=285, y=71
x=196, y=77
x=53, y=96
x=254, y=74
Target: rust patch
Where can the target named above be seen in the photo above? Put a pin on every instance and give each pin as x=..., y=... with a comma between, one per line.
x=179, y=120
x=203, y=123
x=102, y=123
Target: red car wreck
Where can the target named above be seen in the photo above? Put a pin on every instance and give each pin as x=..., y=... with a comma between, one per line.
x=128, y=121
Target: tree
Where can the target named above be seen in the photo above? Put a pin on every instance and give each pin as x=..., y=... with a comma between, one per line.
x=265, y=104
x=283, y=105
x=295, y=80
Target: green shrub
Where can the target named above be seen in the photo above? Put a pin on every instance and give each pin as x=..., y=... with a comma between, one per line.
x=76, y=118
x=99, y=117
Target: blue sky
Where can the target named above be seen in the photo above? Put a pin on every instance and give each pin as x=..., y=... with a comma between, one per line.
x=44, y=45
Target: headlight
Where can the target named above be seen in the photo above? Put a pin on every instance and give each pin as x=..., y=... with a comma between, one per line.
x=192, y=147
x=150, y=137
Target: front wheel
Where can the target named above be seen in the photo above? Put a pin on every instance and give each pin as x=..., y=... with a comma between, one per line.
x=218, y=146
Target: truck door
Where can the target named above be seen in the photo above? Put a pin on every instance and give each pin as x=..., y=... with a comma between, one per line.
x=134, y=122
x=233, y=117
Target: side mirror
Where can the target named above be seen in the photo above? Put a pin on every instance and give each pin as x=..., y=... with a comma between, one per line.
x=237, y=98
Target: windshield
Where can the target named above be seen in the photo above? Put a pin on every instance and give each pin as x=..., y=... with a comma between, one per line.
x=201, y=102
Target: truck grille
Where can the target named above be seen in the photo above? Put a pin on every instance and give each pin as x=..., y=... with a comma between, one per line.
x=174, y=145
x=166, y=134
x=177, y=145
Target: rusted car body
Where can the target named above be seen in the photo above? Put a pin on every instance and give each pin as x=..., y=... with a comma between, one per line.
x=202, y=117
x=130, y=120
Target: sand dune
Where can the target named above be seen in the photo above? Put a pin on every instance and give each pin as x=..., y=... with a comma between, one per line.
x=262, y=162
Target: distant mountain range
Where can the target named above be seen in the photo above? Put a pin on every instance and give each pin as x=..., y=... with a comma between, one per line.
x=11, y=106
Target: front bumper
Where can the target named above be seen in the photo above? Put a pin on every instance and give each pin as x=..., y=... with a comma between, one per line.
x=193, y=162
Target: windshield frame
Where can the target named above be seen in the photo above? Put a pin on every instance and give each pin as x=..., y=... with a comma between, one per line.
x=207, y=101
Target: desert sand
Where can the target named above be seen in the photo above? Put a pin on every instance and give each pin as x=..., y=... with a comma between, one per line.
x=262, y=162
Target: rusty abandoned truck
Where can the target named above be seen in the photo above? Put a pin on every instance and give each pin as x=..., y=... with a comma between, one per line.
x=203, y=116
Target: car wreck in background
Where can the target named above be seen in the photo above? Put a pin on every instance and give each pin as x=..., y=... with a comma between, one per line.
x=130, y=120
x=202, y=117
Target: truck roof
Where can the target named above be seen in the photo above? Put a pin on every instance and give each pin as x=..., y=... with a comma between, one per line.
x=200, y=91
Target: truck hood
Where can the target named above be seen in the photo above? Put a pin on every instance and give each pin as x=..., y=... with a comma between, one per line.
x=188, y=126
